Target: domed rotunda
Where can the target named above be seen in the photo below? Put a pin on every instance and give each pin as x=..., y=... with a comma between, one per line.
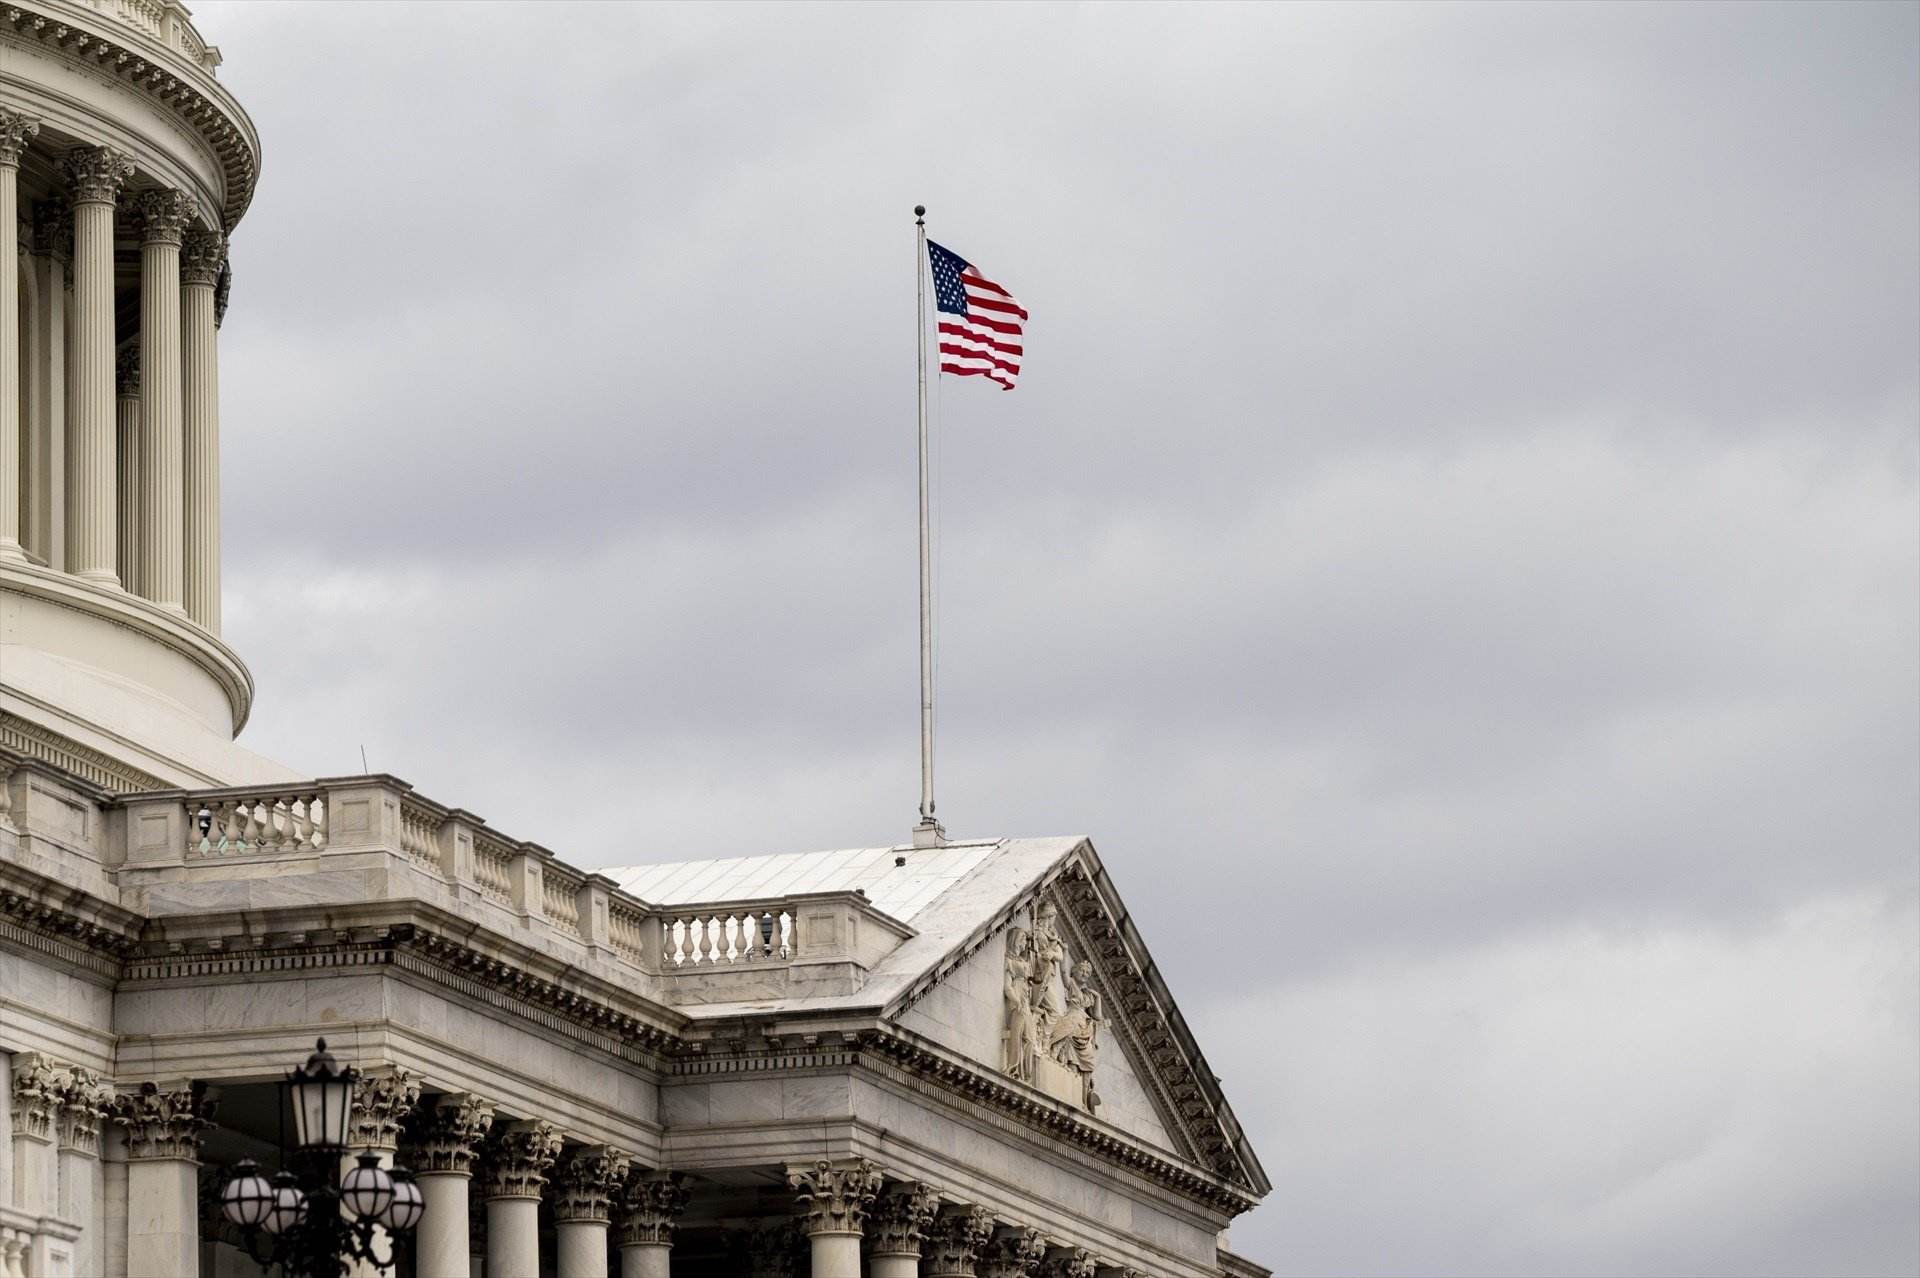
x=949, y=1061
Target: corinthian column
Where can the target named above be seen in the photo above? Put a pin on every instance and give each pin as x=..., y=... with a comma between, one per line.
x=94, y=178
x=449, y=1138
x=201, y=257
x=834, y=1199
x=1012, y=1253
x=649, y=1206
x=163, y=218
x=83, y=1106
x=380, y=1104
x=163, y=1148
x=516, y=1170
x=588, y=1180
x=956, y=1240
x=126, y=372
x=16, y=131
x=1068, y=1262
x=898, y=1227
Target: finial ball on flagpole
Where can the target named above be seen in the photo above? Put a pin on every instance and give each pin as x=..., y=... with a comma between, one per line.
x=919, y=210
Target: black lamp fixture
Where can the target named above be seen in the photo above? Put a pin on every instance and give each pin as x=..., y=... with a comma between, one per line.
x=316, y=1222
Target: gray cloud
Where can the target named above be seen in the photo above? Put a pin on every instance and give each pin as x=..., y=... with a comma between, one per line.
x=1455, y=545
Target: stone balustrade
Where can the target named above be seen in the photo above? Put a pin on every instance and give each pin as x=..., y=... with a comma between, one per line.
x=402, y=845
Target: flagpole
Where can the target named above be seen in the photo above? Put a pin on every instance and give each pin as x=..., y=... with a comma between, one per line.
x=928, y=833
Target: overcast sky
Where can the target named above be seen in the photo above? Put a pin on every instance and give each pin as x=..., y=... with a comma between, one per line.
x=1454, y=545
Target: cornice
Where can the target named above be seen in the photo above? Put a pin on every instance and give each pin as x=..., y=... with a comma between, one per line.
x=154, y=71
x=90, y=768
x=146, y=619
x=881, y=1048
x=1187, y=1096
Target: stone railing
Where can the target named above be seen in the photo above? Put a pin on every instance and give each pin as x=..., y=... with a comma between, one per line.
x=724, y=933
x=236, y=822
x=164, y=21
x=372, y=837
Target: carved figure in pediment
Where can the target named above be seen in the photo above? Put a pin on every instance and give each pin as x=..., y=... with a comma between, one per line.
x=1049, y=957
x=1075, y=1037
x=1020, y=1040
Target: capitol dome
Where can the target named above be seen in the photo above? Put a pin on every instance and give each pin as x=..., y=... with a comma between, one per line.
x=124, y=168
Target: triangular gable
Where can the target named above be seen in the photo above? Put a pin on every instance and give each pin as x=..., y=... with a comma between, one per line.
x=1157, y=1079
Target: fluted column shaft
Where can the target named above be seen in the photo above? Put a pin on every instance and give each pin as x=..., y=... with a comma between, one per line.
x=127, y=416
x=202, y=255
x=15, y=132
x=163, y=217
x=94, y=178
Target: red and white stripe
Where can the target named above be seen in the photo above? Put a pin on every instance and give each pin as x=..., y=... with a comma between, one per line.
x=986, y=342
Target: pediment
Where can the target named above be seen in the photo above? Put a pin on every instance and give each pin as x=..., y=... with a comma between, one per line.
x=1101, y=1031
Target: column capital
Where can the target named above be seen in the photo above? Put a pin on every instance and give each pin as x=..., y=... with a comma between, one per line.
x=39, y=1085
x=16, y=131
x=447, y=1137
x=836, y=1195
x=1068, y=1262
x=901, y=1217
x=53, y=229
x=588, y=1179
x=518, y=1157
x=381, y=1104
x=95, y=174
x=1013, y=1252
x=126, y=370
x=956, y=1239
x=650, y=1203
x=163, y=1124
x=162, y=216
x=87, y=1100
x=202, y=254
x=772, y=1249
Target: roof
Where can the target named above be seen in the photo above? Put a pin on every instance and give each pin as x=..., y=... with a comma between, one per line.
x=898, y=891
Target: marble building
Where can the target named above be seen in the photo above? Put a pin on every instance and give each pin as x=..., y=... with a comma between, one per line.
x=947, y=1060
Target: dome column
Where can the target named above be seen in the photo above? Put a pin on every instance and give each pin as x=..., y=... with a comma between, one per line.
x=127, y=414
x=202, y=255
x=94, y=178
x=16, y=131
x=163, y=217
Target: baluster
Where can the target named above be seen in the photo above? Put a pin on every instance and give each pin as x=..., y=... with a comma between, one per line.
x=742, y=938
x=785, y=931
x=676, y=935
x=297, y=827
x=317, y=820
x=256, y=833
x=710, y=940
x=230, y=824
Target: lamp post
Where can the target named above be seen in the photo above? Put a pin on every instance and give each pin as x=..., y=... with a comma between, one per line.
x=313, y=1224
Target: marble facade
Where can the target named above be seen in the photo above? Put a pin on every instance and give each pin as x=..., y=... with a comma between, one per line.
x=947, y=1060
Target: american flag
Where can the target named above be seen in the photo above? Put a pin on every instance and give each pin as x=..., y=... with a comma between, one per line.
x=980, y=323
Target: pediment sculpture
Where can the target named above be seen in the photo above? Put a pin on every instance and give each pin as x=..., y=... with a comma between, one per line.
x=1053, y=1013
